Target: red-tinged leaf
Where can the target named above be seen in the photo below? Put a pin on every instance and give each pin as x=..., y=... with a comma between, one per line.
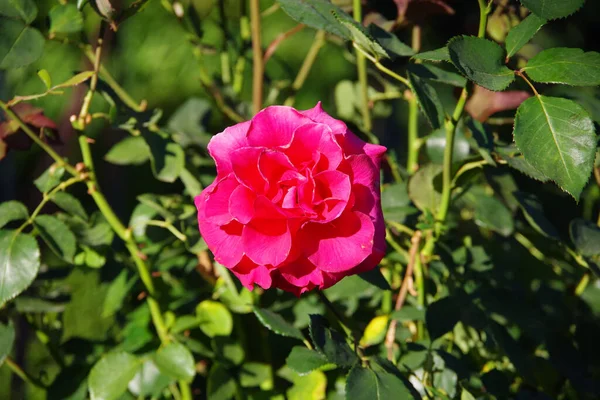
x=485, y=103
x=420, y=10
x=11, y=137
x=33, y=116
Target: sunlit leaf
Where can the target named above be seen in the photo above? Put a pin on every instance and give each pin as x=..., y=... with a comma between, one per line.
x=19, y=263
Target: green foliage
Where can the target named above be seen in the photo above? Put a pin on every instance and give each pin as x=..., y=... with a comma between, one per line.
x=488, y=288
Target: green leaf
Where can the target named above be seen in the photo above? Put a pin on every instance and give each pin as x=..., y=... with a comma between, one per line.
x=57, y=236
x=20, y=45
x=49, y=179
x=490, y=213
x=83, y=315
x=520, y=164
x=131, y=150
x=436, y=74
x=303, y=360
x=437, y=55
x=26, y=304
x=558, y=138
x=117, y=291
x=424, y=189
x=360, y=36
x=521, y=34
x=176, y=361
x=375, y=331
x=408, y=313
x=12, y=211
x=188, y=121
x=481, y=140
x=19, y=263
x=7, y=338
x=25, y=10
x=70, y=204
x=308, y=387
x=277, y=324
x=481, y=61
x=192, y=185
x=375, y=277
x=390, y=42
x=317, y=14
x=436, y=143
x=220, y=385
x=45, y=77
x=563, y=65
x=109, y=377
x=375, y=383
x=586, y=237
x=553, y=9
x=149, y=381
x=428, y=100
x=167, y=158
x=465, y=395
x=534, y=214
x=254, y=374
x=65, y=18
x=103, y=8
x=330, y=343
x=215, y=319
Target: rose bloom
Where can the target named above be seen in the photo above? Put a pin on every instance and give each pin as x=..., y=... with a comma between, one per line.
x=296, y=201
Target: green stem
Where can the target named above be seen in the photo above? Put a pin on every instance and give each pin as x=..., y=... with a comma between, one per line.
x=55, y=156
x=307, y=65
x=361, y=67
x=186, y=392
x=580, y=288
x=169, y=226
x=413, y=114
x=257, y=57
x=381, y=67
x=17, y=370
x=421, y=299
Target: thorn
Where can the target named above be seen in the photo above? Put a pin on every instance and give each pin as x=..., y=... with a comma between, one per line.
x=142, y=256
x=141, y=296
x=155, y=274
x=80, y=167
x=89, y=139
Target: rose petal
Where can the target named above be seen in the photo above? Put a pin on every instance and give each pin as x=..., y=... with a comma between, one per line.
x=274, y=126
x=222, y=145
x=341, y=244
x=245, y=167
x=301, y=273
x=249, y=273
x=241, y=204
x=217, y=200
x=267, y=241
x=225, y=241
x=332, y=189
x=317, y=114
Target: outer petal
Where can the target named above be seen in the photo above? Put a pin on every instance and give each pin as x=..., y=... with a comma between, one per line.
x=340, y=245
x=225, y=241
x=250, y=274
x=317, y=114
x=301, y=273
x=241, y=204
x=274, y=126
x=267, y=241
x=217, y=200
x=223, y=144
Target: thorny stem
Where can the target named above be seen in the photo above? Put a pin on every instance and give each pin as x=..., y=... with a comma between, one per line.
x=55, y=156
x=307, y=65
x=413, y=260
x=361, y=66
x=257, y=57
x=279, y=39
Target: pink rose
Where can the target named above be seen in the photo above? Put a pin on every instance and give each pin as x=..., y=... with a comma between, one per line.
x=296, y=201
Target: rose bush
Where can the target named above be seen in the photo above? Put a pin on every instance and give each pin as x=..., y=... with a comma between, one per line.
x=296, y=201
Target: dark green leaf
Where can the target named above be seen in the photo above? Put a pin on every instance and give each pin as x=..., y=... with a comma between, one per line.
x=131, y=150
x=442, y=315
x=490, y=213
x=436, y=143
x=437, y=55
x=553, y=9
x=375, y=278
x=374, y=383
x=586, y=237
x=26, y=304
x=25, y=10
x=436, y=74
x=109, y=377
x=563, y=65
x=221, y=385
x=277, y=324
x=70, y=204
x=408, y=313
x=7, y=338
x=65, y=18
x=167, y=158
x=215, y=319
x=303, y=360
x=117, y=291
x=176, y=361
x=317, y=14
x=19, y=263
x=149, y=381
x=49, y=179
x=330, y=343
x=360, y=36
x=20, y=44
x=521, y=34
x=520, y=164
x=57, y=236
x=428, y=100
x=534, y=214
x=395, y=202
x=481, y=61
x=390, y=42
x=187, y=124
x=558, y=138
x=12, y=211
x=481, y=139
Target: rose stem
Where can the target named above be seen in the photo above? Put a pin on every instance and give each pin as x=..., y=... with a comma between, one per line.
x=361, y=66
x=413, y=113
x=257, y=57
